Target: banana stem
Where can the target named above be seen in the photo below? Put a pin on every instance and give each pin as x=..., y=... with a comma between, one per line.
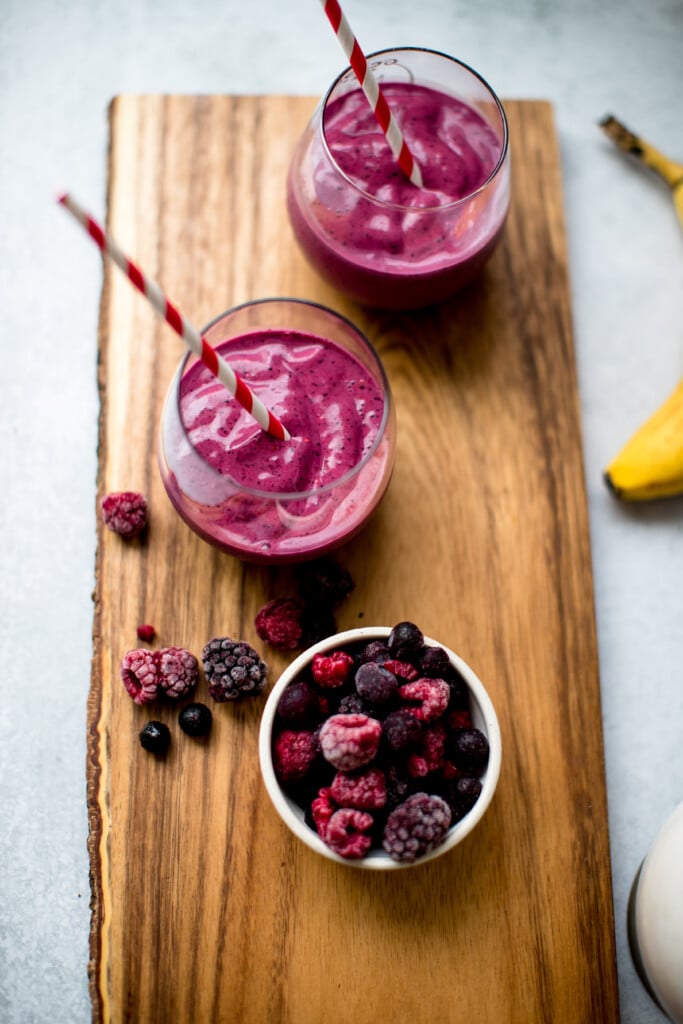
x=629, y=142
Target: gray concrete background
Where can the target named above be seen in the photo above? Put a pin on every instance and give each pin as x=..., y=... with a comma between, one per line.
x=59, y=66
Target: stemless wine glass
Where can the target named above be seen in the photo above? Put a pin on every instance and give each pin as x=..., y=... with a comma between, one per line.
x=242, y=509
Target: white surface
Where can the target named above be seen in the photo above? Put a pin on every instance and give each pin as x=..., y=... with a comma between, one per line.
x=59, y=66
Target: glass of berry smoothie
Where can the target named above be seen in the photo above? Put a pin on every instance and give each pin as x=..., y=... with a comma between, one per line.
x=361, y=223
x=263, y=499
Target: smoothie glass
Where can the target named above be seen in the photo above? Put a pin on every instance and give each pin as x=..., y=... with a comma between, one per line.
x=235, y=487
x=372, y=234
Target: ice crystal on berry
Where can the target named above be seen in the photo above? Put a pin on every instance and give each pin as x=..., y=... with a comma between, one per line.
x=125, y=513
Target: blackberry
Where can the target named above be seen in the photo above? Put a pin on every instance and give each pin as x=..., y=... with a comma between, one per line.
x=155, y=737
x=469, y=749
x=323, y=583
x=352, y=704
x=233, y=669
x=195, y=720
x=405, y=639
x=125, y=513
x=375, y=684
x=415, y=827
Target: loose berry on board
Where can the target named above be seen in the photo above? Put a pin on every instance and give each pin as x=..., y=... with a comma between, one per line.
x=125, y=513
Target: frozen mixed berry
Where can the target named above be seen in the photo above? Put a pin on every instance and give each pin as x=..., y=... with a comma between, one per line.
x=323, y=583
x=279, y=623
x=403, y=670
x=405, y=639
x=365, y=789
x=195, y=719
x=376, y=684
x=353, y=704
x=322, y=809
x=155, y=737
x=460, y=718
x=376, y=651
x=146, y=633
x=399, y=785
x=331, y=670
x=298, y=704
x=347, y=832
x=294, y=751
x=317, y=623
x=349, y=741
x=426, y=698
x=233, y=669
x=125, y=512
x=139, y=671
x=434, y=662
x=469, y=748
x=430, y=755
x=461, y=795
x=178, y=671
x=415, y=827
x=401, y=730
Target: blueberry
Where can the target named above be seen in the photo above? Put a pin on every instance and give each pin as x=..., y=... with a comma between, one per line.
x=195, y=720
x=470, y=750
x=155, y=737
x=405, y=638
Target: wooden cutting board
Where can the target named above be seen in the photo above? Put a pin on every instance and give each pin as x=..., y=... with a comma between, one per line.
x=204, y=907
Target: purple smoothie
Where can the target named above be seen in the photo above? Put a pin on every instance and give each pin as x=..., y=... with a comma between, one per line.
x=372, y=233
x=264, y=499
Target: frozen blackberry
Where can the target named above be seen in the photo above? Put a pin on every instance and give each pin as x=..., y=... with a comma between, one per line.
x=233, y=669
x=376, y=685
x=139, y=671
x=195, y=720
x=155, y=737
x=323, y=583
x=178, y=671
x=435, y=662
x=469, y=749
x=401, y=731
x=125, y=513
x=415, y=827
x=298, y=704
x=405, y=639
x=352, y=704
x=279, y=623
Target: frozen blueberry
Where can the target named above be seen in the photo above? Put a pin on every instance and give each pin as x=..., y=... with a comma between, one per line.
x=155, y=737
x=195, y=720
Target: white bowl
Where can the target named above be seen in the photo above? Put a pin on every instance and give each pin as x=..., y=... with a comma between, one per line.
x=483, y=718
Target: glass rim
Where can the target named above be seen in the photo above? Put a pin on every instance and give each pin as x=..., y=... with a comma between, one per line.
x=286, y=496
x=387, y=204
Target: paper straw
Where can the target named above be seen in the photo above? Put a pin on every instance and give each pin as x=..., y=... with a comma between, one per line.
x=373, y=93
x=195, y=341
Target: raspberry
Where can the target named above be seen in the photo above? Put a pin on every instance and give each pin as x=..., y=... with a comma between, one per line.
x=349, y=741
x=431, y=755
x=346, y=832
x=140, y=674
x=146, y=633
x=401, y=669
x=298, y=705
x=322, y=809
x=375, y=684
x=405, y=639
x=294, y=751
x=435, y=662
x=459, y=719
x=331, y=670
x=279, y=623
x=323, y=583
x=178, y=671
x=401, y=730
x=469, y=749
x=428, y=698
x=233, y=669
x=124, y=512
x=415, y=827
x=195, y=720
x=365, y=790
x=155, y=737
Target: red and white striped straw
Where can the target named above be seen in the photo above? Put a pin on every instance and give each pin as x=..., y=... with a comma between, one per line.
x=195, y=341
x=370, y=86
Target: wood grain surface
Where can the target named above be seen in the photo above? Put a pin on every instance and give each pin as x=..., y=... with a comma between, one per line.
x=204, y=907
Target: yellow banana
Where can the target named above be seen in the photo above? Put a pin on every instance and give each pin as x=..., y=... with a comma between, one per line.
x=650, y=465
x=629, y=142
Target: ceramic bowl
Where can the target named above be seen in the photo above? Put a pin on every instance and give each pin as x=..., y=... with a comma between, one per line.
x=483, y=718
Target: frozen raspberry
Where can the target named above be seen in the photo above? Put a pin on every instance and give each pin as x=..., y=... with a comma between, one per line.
x=146, y=633
x=178, y=671
x=459, y=719
x=349, y=741
x=195, y=720
x=317, y=623
x=401, y=669
x=155, y=737
x=435, y=662
x=125, y=512
x=415, y=827
x=233, y=669
x=431, y=754
x=405, y=639
x=366, y=790
x=428, y=698
x=279, y=623
x=298, y=704
x=469, y=748
x=140, y=674
x=331, y=670
x=401, y=730
x=294, y=751
x=322, y=809
x=347, y=832
x=461, y=795
x=376, y=651
x=323, y=583
x=375, y=684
